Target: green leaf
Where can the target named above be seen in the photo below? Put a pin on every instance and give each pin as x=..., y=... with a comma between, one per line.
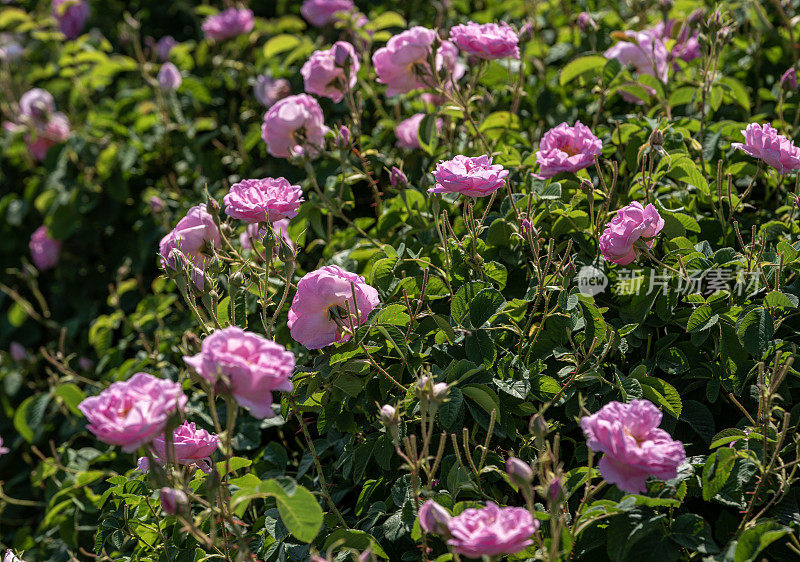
x=29, y=416
x=756, y=539
x=716, y=471
x=486, y=304
x=700, y=418
x=484, y=396
x=299, y=511
x=280, y=44
x=353, y=538
x=701, y=319
x=692, y=532
x=71, y=395
x=500, y=120
x=755, y=329
x=580, y=66
x=684, y=169
x=672, y=360
x=428, y=134
x=459, y=306
x=661, y=393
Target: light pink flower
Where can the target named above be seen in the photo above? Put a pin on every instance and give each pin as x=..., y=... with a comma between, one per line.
x=191, y=240
x=228, y=23
x=491, y=531
x=488, y=41
x=634, y=446
x=157, y=204
x=268, y=90
x=403, y=63
x=474, y=177
x=250, y=366
x=131, y=413
x=37, y=104
x=644, y=52
x=169, y=77
x=164, y=47
x=687, y=45
x=407, y=131
x=71, y=16
x=433, y=518
x=43, y=137
x=765, y=143
x=17, y=351
x=45, y=250
x=294, y=126
x=327, y=72
x=567, y=149
x=11, y=557
x=322, y=12
x=191, y=446
x=631, y=224
x=264, y=200
x=318, y=315
x=3, y=450
x=172, y=500
x=789, y=78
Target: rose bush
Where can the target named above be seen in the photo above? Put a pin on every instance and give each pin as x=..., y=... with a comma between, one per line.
x=519, y=282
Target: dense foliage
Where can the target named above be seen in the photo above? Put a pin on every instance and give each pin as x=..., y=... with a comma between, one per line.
x=525, y=265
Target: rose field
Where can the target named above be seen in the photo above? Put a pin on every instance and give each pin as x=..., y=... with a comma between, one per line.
x=364, y=280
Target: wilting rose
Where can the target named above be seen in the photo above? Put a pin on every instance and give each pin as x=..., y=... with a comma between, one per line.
x=190, y=447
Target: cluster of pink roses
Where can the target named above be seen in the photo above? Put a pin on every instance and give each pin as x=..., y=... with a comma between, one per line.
x=38, y=119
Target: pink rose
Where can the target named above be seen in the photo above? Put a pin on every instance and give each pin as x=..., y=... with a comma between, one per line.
x=789, y=78
x=631, y=224
x=164, y=47
x=42, y=138
x=403, y=63
x=567, y=149
x=634, y=447
x=268, y=90
x=473, y=177
x=193, y=238
x=131, y=413
x=687, y=45
x=322, y=12
x=37, y=104
x=407, y=131
x=169, y=77
x=491, y=531
x=45, y=250
x=191, y=446
x=644, y=52
x=268, y=199
x=71, y=16
x=294, y=126
x=327, y=72
x=488, y=41
x=250, y=366
x=433, y=518
x=765, y=143
x=318, y=315
x=227, y=24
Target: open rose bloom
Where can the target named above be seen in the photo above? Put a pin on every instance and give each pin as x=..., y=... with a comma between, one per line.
x=250, y=366
x=491, y=531
x=632, y=224
x=190, y=243
x=403, y=64
x=318, y=315
x=322, y=12
x=407, y=131
x=132, y=413
x=765, y=143
x=567, y=149
x=190, y=447
x=228, y=24
x=634, y=446
x=327, y=73
x=45, y=251
x=488, y=41
x=263, y=200
x=474, y=177
x=294, y=126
